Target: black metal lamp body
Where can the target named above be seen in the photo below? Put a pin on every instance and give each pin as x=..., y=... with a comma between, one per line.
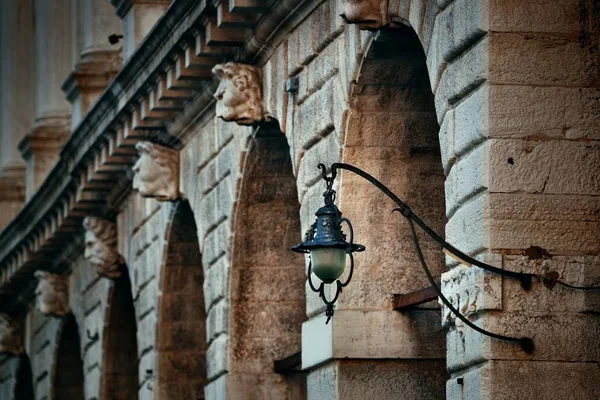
x=328, y=248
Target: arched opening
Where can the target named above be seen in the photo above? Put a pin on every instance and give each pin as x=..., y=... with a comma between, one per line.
x=267, y=279
x=24, y=380
x=120, y=361
x=68, y=382
x=181, y=341
x=392, y=133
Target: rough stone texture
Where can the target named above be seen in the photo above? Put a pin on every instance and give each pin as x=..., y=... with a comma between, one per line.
x=359, y=379
x=517, y=101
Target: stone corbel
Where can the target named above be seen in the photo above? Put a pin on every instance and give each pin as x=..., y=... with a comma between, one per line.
x=10, y=335
x=101, y=247
x=156, y=173
x=239, y=94
x=366, y=14
x=52, y=294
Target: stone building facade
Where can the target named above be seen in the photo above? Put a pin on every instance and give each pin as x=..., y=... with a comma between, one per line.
x=159, y=158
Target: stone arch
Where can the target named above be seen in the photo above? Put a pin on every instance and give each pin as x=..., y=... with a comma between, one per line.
x=68, y=374
x=181, y=339
x=120, y=361
x=267, y=280
x=24, y=379
x=392, y=132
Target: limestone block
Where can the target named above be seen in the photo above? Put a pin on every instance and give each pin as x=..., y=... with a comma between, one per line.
x=271, y=386
x=576, y=270
x=217, y=320
x=543, y=16
x=326, y=151
x=216, y=282
x=372, y=335
x=216, y=243
x=464, y=73
x=472, y=120
x=321, y=383
x=545, y=60
x=446, y=135
x=470, y=290
x=146, y=332
x=567, y=337
x=465, y=229
x=52, y=293
x=10, y=335
x=459, y=25
x=239, y=95
x=543, y=112
x=101, y=247
x=468, y=176
x=156, y=173
x=558, y=224
x=314, y=117
x=216, y=357
x=378, y=380
x=323, y=68
x=556, y=380
x=540, y=167
x=415, y=13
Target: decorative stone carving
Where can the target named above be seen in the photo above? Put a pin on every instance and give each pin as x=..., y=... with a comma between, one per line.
x=10, y=335
x=157, y=172
x=470, y=290
x=239, y=94
x=101, y=247
x=52, y=294
x=366, y=14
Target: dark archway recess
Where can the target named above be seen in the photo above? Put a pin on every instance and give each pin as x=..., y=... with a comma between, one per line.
x=68, y=381
x=120, y=360
x=181, y=341
x=393, y=133
x=24, y=380
x=267, y=279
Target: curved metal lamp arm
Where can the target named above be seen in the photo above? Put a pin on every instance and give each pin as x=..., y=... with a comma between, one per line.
x=405, y=210
x=525, y=342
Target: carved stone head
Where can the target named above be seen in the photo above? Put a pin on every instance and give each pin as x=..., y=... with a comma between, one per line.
x=101, y=247
x=239, y=94
x=366, y=14
x=10, y=335
x=157, y=172
x=52, y=294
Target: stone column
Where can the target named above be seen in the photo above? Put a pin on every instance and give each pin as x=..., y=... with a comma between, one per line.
x=97, y=61
x=52, y=112
x=16, y=100
x=139, y=16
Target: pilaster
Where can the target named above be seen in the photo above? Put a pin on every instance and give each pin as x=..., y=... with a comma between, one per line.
x=40, y=150
x=139, y=16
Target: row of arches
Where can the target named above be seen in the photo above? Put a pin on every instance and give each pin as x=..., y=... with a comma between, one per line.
x=266, y=285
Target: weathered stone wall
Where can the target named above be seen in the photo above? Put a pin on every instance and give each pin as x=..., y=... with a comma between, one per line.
x=485, y=121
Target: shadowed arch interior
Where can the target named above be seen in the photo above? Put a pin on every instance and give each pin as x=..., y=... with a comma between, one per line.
x=120, y=368
x=68, y=380
x=181, y=347
x=267, y=279
x=392, y=133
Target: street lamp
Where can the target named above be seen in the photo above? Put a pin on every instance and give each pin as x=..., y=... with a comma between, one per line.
x=328, y=247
